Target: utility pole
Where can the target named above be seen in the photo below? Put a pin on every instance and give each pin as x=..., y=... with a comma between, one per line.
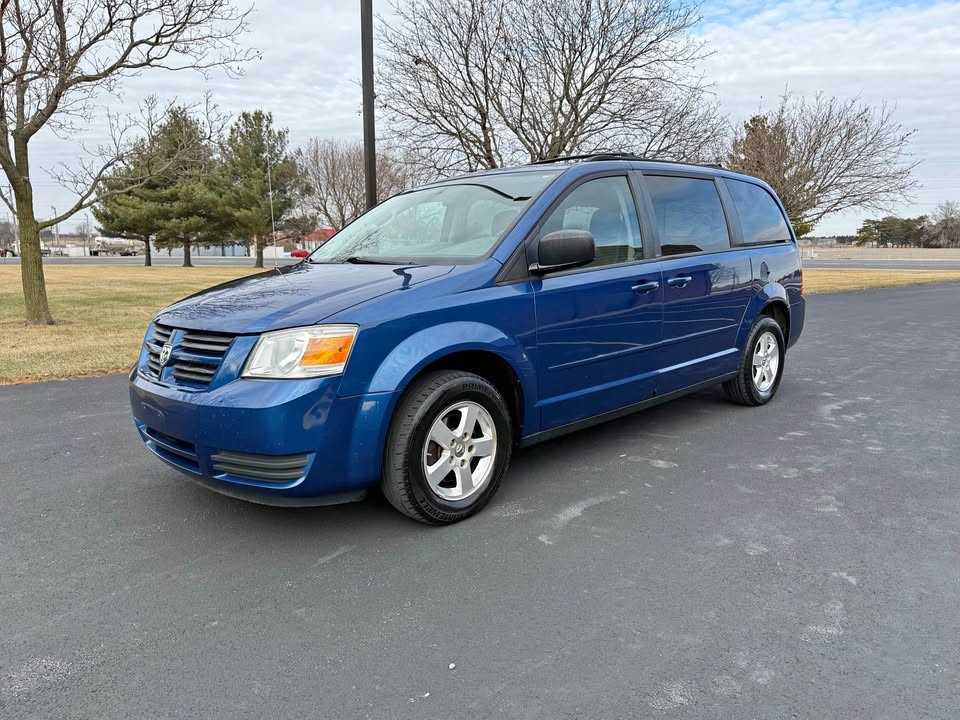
x=369, y=126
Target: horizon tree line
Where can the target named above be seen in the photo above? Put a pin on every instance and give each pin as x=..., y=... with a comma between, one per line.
x=940, y=229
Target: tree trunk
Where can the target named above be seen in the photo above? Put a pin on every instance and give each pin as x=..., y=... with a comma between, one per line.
x=147, y=253
x=186, y=254
x=258, y=241
x=31, y=261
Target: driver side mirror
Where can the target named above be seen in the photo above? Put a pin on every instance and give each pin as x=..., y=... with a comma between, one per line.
x=562, y=250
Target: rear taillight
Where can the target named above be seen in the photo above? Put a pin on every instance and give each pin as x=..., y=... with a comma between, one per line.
x=800, y=265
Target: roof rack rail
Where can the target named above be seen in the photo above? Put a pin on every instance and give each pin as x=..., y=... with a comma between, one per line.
x=599, y=156
x=589, y=157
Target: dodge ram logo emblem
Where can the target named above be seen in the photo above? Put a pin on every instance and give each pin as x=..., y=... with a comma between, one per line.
x=165, y=354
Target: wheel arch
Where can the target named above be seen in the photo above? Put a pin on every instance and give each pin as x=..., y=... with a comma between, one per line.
x=771, y=301
x=471, y=347
x=779, y=311
x=493, y=368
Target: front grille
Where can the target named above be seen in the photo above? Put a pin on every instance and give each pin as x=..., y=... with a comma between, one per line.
x=160, y=337
x=194, y=372
x=269, y=468
x=195, y=358
x=214, y=344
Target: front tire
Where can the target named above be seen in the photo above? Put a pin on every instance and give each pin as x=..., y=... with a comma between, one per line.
x=448, y=447
x=761, y=369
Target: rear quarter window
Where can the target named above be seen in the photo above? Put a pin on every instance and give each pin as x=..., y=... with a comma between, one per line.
x=760, y=216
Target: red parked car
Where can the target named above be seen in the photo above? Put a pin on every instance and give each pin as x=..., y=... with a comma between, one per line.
x=299, y=253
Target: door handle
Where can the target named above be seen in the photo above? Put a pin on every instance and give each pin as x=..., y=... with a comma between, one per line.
x=645, y=287
x=680, y=281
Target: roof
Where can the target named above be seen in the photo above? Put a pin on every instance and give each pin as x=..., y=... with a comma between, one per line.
x=602, y=156
x=608, y=160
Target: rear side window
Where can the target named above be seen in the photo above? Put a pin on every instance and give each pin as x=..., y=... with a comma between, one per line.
x=760, y=217
x=688, y=213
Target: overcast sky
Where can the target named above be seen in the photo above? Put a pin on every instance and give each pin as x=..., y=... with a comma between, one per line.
x=902, y=53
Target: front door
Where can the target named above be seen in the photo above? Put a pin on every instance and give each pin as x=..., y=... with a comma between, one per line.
x=597, y=325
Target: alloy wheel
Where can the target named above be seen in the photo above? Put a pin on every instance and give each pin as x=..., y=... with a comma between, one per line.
x=459, y=453
x=766, y=362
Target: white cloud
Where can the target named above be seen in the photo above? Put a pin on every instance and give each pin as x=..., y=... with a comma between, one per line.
x=904, y=55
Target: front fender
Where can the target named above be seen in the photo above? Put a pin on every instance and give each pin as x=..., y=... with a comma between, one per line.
x=769, y=293
x=427, y=346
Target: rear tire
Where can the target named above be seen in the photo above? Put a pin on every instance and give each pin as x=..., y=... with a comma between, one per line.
x=761, y=368
x=448, y=447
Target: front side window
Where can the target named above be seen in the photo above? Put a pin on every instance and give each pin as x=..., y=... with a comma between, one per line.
x=605, y=208
x=460, y=221
x=760, y=217
x=688, y=213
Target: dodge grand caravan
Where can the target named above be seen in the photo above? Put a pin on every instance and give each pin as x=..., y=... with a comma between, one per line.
x=454, y=322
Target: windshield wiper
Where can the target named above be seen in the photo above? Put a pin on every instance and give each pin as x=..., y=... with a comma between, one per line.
x=357, y=260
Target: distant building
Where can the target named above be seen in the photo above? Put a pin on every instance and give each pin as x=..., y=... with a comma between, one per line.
x=819, y=242
x=317, y=238
x=309, y=242
x=830, y=241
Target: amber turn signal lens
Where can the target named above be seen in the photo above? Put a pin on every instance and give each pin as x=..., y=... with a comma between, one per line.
x=327, y=350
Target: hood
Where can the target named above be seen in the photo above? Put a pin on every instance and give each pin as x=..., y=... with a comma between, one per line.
x=291, y=296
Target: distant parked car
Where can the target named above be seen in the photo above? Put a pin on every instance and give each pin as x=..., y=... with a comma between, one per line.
x=7, y=252
x=127, y=252
x=299, y=253
x=424, y=341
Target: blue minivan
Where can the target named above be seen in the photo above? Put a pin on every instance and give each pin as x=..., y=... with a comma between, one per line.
x=451, y=323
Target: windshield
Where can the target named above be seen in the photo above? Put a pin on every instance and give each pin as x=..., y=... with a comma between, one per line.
x=451, y=223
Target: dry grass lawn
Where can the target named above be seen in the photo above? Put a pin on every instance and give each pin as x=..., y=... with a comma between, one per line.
x=820, y=280
x=103, y=311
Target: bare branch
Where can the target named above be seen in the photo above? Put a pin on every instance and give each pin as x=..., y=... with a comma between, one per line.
x=129, y=136
x=60, y=55
x=826, y=155
x=480, y=83
x=333, y=176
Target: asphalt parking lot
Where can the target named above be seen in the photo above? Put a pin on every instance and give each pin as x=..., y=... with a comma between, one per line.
x=699, y=560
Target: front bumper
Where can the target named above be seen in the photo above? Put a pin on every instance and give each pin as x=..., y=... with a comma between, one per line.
x=282, y=442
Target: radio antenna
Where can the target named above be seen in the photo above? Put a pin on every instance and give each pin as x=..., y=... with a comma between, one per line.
x=273, y=221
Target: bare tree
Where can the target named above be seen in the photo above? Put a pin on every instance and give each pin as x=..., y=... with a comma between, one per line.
x=946, y=224
x=480, y=83
x=58, y=56
x=824, y=155
x=332, y=174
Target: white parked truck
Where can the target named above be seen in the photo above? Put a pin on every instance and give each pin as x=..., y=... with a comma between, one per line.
x=113, y=246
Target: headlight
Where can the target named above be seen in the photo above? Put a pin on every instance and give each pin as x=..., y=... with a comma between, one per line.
x=301, y=352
